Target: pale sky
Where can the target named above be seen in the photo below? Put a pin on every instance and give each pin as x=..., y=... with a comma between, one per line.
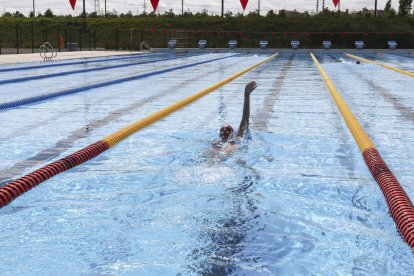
x=213, y=6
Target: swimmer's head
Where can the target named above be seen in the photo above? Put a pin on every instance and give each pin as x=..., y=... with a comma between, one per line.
x=226, y=132
x=358, y=62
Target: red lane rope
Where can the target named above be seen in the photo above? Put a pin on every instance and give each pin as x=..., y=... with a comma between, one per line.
x=399, y=204
x=21, y=185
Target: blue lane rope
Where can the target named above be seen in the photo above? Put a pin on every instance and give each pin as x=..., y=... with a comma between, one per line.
x=59, y=74
x=44, y=97
x=77, y=62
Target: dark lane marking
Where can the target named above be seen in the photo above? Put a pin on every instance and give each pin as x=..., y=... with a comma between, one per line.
x=80, y=71
x=405, y=111
x=71, y=91
x=261, y=120
x=17, y=169
x=23, y=68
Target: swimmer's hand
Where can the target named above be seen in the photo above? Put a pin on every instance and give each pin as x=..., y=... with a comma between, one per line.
x=250, y=87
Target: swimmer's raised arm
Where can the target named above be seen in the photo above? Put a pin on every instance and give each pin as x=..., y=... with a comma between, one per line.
x=244, y=123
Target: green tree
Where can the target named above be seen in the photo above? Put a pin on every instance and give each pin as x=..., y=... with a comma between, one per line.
x=49, y=13
x=405, y=7
x=18, y=14
x=389, y=11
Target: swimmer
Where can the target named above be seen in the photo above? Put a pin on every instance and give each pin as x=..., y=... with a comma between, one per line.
x=358, y=62
x=228, y=137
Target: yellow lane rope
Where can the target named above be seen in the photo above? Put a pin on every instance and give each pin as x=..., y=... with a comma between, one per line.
x=356, y=129
x=120, y=135
x=382, y=65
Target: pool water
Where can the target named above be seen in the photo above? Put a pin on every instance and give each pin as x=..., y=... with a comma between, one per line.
x=295, y=199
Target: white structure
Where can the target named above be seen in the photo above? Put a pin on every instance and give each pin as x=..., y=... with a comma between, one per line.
x=263, y=44
x=233, y=44
x=171, y=43
x=294, y=44
x=202, y=44
x=359, y=44
x=327, y=44
x=392, y=44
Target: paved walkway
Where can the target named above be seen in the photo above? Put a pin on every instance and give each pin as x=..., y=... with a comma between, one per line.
x=19, y=58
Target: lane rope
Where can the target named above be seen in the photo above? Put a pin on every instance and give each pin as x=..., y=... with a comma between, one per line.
x=380, y=64
x=79, y=71
x=85, y=61
x=44, y=97
x=23, y=184
x=399, y=204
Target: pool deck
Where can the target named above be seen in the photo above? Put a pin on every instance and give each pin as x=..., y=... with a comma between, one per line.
x=35, y=57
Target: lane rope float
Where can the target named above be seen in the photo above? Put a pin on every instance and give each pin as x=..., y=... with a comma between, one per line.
x=380, y=64
x=399, y=204
x=49, y=96
x=23, y=184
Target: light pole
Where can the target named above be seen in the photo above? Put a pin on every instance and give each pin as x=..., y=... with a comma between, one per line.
x=182, y=7
x=258, y=8
x=222, y=8
x=105, y=8
x=34, y=11
x=375, y=9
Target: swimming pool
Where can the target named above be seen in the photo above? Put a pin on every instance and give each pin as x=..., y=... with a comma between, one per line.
x=296, y=199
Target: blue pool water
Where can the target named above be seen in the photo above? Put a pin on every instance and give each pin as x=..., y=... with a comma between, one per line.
x=296, y=199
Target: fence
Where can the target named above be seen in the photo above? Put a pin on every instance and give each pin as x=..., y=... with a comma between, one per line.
x=70, y=37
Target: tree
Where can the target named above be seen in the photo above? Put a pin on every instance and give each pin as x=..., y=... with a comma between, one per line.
x=271, y=13
x=18, y=14
x=49, y=13
x=388, y=10
x=405, y=7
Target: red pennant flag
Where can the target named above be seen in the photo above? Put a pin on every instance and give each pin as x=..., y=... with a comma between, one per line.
x=154, y=4
x=342, y=34
x=244, y=3
x=240, y=34
x=296, y=34
x=308, y=33
x=335, y=2
x=274, y=33
x=72, y=3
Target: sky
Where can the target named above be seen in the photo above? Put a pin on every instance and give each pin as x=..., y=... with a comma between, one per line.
x=213, y=6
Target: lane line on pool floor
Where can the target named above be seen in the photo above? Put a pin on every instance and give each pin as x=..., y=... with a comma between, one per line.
x=380, y=64
x=80, y=71
x=21, y=185
x=44, y=97
x=64, y=144
x=399, y=204
x=85, y=61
